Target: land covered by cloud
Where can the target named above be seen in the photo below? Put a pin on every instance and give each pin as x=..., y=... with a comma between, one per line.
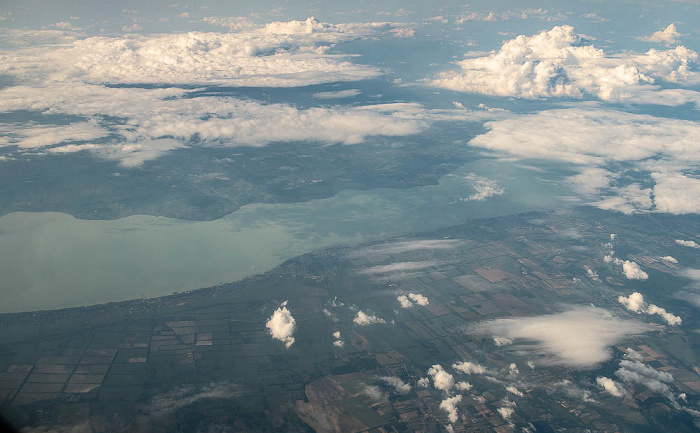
x=628, y=162
x=580, y=337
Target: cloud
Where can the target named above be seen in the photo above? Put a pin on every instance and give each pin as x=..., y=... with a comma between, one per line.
x=449, y=405
x=669, y=259
x=670, y=318
x=406, y=246
x=610, y=386
x=423, y=382
x=463, y=386
x=468, y=367
x=363, y=319
x=407, y=301
x=635, y=302
x=138, y=117
x=399, y=385
x=502, y=341
x=658, y=154
x=638, y=372
x=186, y=395
x=579, y=337
x=31, y=136
x=399, y=267
x=419, y=299
x=374, y=393
x=633, y=271
x=483, y=187
x=562, y=63
x=507, y=410
x=667, y=36
x=691, y=244
x=513, y=390
x=339, y=94
x=282, y=325
x=279, y=54
x=676, y=193
x=338, y=341
x=403, y=300
x=232, y=23
x=442, y=380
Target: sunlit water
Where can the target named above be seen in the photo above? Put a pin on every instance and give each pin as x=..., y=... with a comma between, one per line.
x=52, y=260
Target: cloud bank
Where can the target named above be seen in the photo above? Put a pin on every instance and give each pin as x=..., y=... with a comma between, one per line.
x=659, y=155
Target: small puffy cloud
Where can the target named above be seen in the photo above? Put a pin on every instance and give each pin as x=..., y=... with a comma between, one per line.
x=408, y=301
x=669, y=259
x=282, y=325
x=364, y=319
x=506, y=412
x=513, y=369
x=580, y=337
x=635, y=302
x=691, y=244
x=513, y=390
x=468, y=367
x=502, y=341
x=561, y=63
x=403, y=300
x=442, y=380
x=418, y=299
x=338, y=342
x=399, y=385
x=463, y=386
x=423, y=382
x=667, y=36
x=610, y=386
x=449, y=405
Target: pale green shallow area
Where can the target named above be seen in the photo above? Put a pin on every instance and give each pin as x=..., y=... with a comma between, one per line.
x=52, y=260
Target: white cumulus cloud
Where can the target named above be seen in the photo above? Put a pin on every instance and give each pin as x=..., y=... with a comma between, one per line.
x=442, y=380
x=610, y=386
x=449, y=405
x=282, y=325
x=635, y=302
x=560, y=62
x=364, y=319
x=468, y=367
x=633, y=271
x=667, y=36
